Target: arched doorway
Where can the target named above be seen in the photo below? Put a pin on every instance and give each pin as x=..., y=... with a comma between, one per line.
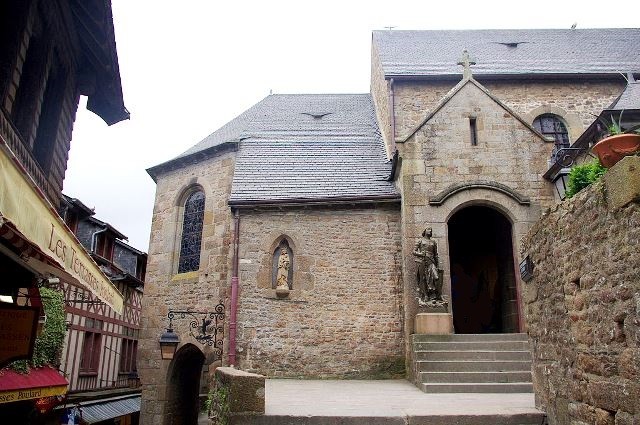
x=483, y=282
x=184, y=386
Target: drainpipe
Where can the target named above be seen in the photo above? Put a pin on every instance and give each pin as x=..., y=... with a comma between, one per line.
x=233, y=313
x=93, y=239
x=393, y=115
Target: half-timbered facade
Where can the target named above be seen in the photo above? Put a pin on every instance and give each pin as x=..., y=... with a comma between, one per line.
x=99, y=355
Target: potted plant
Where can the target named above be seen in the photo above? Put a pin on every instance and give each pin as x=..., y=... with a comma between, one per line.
x=619, y=143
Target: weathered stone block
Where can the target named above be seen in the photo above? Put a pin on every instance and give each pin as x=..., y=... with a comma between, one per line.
x=622, y=183
x=434, y=323
x=624, y=418
x=239, y=392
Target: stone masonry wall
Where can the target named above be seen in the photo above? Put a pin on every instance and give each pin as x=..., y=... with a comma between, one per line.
x=440, y=154
x=343, y=317
x=380, y=96
x=583, y=309
x=165, y=289
x=573, y=101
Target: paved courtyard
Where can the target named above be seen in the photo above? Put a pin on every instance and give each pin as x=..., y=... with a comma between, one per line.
x=390, y=401
x=290, y=401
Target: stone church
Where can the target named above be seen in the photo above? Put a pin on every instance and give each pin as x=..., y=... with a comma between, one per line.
x=299, y=217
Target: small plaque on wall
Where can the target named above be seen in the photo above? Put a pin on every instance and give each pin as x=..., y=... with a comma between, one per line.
x=526, y=269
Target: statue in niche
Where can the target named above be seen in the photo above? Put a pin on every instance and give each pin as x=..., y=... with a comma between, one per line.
x=428, y=275
x=282, y=270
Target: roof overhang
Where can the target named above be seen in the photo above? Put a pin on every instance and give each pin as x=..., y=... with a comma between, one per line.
x=94, y=25
x=587, y=139
x=308, y=202
x=194, y=158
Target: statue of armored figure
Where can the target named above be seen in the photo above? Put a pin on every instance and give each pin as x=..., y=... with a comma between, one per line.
x=428, y=276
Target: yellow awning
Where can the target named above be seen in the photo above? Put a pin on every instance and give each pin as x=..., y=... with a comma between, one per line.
x=22, y=203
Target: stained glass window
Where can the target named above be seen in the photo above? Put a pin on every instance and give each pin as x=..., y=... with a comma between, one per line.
x=191, y=233
x=552, y=125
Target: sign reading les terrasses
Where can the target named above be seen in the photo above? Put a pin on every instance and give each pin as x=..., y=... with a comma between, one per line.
x=18, y=327
x=34, y=217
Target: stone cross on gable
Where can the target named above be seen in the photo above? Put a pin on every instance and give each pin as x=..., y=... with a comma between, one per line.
x=466, y=62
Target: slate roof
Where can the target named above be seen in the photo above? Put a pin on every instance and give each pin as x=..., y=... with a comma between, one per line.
x=629, y=99
x=308, y=148
x=544, y=52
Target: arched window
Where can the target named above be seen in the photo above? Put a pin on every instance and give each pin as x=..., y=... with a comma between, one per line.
x=552, y=126
x=191, y=233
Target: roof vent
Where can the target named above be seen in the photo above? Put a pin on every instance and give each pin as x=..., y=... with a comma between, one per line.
x=512, y=43
x=317, y=115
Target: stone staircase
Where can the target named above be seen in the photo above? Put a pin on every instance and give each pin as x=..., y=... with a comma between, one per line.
x=473, y=363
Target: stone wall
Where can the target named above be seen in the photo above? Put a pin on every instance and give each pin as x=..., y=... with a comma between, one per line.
x=440, y=154
x=380, y=96
x=165, y=289
x=583, y=309
x=573, y=101
x=343, y=316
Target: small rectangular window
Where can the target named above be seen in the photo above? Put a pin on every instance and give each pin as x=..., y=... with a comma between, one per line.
x=474, y=131
x=90, y=356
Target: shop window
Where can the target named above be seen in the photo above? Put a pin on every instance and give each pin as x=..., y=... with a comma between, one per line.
x=191, y=237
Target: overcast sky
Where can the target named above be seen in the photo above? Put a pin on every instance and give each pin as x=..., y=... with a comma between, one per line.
x=189, y=67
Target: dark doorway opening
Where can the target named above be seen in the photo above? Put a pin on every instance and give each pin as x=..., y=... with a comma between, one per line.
x=183, y=404
x=483, y=284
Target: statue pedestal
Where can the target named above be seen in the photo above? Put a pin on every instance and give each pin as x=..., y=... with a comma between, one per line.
x=440, y=323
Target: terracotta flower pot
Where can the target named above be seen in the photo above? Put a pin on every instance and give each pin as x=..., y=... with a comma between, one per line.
x=612, y=149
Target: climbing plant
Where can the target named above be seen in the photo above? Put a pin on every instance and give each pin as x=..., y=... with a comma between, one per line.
x=218, y=404
x=49, y=344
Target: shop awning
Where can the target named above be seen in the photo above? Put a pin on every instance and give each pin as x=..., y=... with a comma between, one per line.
x=24, y=206
x=38, y=383
x=110, y=408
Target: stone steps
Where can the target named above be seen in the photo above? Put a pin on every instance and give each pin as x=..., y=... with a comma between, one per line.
x=472, y=345
x=473, y=363
x=470, y=337
x=473, y=355
x=478, y=377
x=476, y=387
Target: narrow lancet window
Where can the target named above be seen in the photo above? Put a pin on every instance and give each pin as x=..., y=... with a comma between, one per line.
x=191, y=233
x=474, y=131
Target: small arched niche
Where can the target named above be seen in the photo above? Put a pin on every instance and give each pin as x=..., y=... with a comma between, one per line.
x=282, y=265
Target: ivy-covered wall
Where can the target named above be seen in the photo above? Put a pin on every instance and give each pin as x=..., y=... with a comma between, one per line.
x=49, y=344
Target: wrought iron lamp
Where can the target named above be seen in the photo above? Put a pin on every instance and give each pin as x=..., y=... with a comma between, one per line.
x=206, y=327
x=561, y=182
x=168, y=343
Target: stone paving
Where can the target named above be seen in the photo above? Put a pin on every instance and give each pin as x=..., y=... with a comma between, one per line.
x=389, y=401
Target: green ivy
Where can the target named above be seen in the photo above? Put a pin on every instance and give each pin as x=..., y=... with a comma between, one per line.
x=49, y=344
x=218, y=404
x=583, y=175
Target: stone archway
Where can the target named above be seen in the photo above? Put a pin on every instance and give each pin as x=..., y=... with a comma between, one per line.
x=483, y=280
x=183, y=386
